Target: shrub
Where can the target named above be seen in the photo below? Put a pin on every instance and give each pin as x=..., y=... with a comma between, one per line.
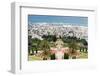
x=66, y=56
x=52, y=57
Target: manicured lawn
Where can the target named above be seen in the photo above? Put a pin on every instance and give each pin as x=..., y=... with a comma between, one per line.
x=31, y=58
x=83, y=55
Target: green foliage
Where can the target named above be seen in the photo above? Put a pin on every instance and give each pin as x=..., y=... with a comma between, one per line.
x=50, y=38
x=33, y=44
x=84, y=42
x=66, y=56
x=52, y=57
x=44, y=45
x=73, y=45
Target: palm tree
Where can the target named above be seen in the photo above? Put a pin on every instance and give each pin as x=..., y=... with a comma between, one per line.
x=44, y=45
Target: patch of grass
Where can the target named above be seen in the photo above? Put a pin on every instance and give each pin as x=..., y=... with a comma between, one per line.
x=83, y=55
x=31, y=58
x=34, y=58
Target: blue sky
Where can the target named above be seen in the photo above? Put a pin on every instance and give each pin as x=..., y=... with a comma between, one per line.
x=73, y=20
